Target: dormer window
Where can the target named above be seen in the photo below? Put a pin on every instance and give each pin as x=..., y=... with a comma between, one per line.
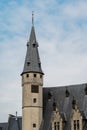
x=57, y=121
x=67, y=93
x=34, y=45
x=28, y=63
x=76, y=120
x=39, y=65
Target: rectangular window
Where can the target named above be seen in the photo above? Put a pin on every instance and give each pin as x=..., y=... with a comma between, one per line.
x=77, y=124
x=27, y=75
x=35, y=89
x=34, y=125
x=74, y=124
x=35, y=75
x=40, y=76
x=56, y=126
x=34, y=100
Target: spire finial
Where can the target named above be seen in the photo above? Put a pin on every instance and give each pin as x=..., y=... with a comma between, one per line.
x=32, y=17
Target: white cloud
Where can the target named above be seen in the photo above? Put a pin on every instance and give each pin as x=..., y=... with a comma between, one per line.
x=76, y=10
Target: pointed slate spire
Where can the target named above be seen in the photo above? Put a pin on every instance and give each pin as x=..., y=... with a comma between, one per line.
x=32, y=60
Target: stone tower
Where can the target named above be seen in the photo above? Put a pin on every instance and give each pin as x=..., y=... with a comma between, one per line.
x=32, y=82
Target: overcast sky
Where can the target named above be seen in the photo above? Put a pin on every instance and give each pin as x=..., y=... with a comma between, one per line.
x=61, y=31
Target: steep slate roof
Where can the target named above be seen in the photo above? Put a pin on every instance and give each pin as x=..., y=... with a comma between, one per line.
x=4, y=126
x=14, y=123
x=32, y=60
x=64, y=104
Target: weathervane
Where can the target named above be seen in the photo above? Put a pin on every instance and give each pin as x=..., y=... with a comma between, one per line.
x=32, y=17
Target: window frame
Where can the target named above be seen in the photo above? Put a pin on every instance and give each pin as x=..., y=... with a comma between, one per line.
x=34, y=88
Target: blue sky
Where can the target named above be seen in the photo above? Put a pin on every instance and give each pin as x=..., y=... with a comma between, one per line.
x=61, y=31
